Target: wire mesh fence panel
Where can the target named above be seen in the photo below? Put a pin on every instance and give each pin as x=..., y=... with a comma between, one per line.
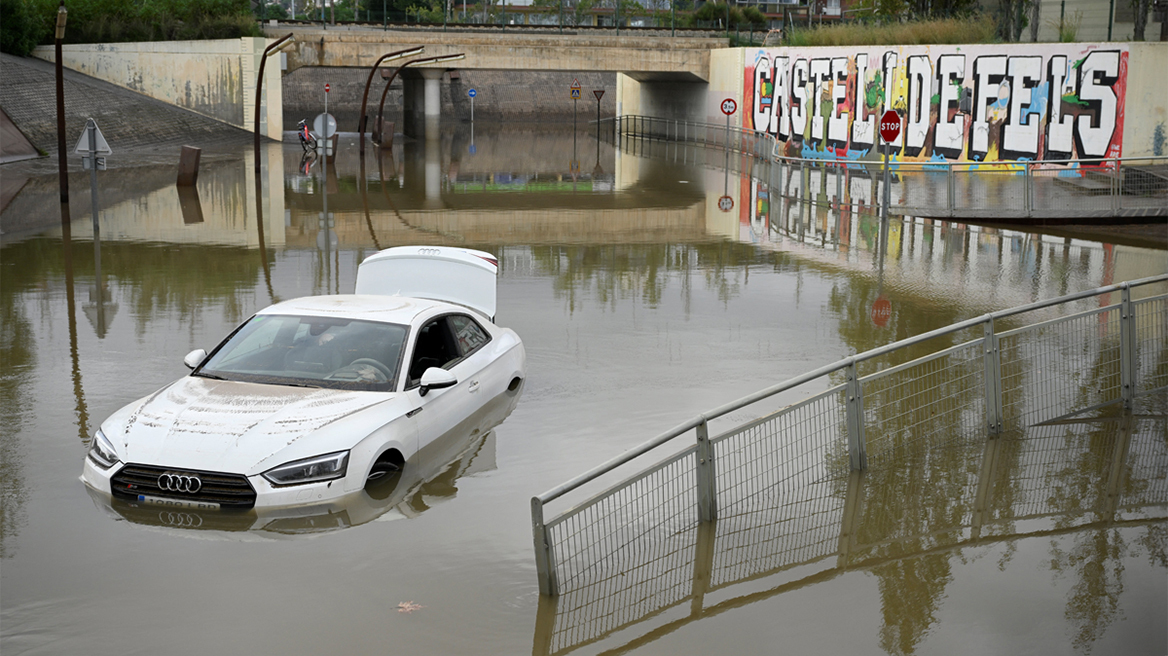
x=923, y=500
x=778, y=481
x=798, y=528
x=1059, y=366
x=924, y=402
x=1143, y=184
x=921, y=189
x=998, y=188
x=1060, y=189
x=1051, y=470
x=1146, y=481
x=1151, y=317
x=616, y=530
x=663, y=578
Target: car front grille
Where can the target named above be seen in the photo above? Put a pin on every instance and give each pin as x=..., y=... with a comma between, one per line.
x=227, y=490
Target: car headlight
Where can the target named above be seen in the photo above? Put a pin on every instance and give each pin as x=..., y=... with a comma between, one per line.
x=101, y=451
x=310, y=470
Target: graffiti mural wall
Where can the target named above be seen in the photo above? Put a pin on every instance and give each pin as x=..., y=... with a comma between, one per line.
x=957, y=103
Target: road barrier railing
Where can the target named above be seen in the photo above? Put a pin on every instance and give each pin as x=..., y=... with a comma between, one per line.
x=1082, y=352
x=1134, y=187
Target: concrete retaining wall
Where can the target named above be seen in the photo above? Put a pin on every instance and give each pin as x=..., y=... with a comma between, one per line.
x=214, y=78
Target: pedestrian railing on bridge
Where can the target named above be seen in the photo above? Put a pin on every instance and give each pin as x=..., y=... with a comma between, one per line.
x=976, y=379
x=1131, y=187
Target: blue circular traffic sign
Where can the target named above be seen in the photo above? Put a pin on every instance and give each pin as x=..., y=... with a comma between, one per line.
x=472, y=93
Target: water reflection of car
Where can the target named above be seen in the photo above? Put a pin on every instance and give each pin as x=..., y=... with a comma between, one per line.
x=312, y=400
x=430, y=479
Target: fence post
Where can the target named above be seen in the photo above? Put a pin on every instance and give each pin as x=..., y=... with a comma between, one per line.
x=545, y=564
x=950, y=194
x=1127, y=349
x=992, y=373
x=1028, y=189
x=707, y=483
x=857, y=447
x=1116, y=187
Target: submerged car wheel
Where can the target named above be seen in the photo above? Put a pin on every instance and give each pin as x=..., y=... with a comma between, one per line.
x=387, y=464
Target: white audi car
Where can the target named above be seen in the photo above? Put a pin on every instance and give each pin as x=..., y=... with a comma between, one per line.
x=311, y=399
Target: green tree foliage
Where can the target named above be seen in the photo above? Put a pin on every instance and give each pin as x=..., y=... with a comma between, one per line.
x=106, y=21
x=21, y=27
x=715, y=12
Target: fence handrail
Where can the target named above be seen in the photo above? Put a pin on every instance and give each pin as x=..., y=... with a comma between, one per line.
x=740, y=403
x=837, y=162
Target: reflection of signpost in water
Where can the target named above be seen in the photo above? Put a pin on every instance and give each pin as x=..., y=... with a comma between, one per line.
x=881, y=312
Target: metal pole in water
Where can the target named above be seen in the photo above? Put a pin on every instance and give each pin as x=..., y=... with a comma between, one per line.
x=887, y=192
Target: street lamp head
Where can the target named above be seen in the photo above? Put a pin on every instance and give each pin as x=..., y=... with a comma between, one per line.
x=405, y=53
x=445, y=58
x=62, y=14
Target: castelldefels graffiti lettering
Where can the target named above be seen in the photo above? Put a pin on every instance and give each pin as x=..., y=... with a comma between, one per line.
x=957, y=103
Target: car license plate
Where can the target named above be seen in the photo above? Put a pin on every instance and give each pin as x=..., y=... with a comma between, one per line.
x=177, y=503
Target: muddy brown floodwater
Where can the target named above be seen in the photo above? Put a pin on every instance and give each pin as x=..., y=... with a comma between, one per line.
x=640, y=304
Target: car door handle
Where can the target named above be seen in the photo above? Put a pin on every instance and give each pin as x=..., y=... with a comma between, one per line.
x=413, y=412
x=473, y=387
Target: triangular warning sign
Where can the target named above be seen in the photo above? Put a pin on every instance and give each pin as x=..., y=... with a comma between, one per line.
x=101, y=148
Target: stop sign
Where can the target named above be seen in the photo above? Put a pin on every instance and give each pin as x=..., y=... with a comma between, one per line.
x=890, y=126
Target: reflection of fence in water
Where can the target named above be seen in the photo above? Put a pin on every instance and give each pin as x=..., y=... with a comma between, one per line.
x=1096, y=474
x=784, y=493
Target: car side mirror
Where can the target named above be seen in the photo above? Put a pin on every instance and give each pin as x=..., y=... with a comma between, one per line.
x=436, y=378
x=195, y=358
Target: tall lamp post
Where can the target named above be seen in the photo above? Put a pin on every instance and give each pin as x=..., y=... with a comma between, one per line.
x=409, y=52
x=424, y=60
x=62, y=167
x=279, y=44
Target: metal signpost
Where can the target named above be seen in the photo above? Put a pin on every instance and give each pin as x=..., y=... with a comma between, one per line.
x=728, y=108
x=90, y=146
x=889, y=131
x=472, y=93
x=575, y=89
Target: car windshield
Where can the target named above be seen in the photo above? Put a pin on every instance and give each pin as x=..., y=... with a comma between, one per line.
x=310, y=351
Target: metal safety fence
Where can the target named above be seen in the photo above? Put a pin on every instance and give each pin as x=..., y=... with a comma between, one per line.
x=1107, y=187
x=792, y=467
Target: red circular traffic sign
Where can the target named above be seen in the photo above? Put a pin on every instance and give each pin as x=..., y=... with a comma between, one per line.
x=889, y=126
x=326, y=88
x=881, y=311
x=725, y=203
x=729, y=106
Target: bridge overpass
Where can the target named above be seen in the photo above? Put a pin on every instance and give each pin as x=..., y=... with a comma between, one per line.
x=671, y=74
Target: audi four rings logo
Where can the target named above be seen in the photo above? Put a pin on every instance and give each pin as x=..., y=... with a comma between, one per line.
x=429, y=251
x=180, y=483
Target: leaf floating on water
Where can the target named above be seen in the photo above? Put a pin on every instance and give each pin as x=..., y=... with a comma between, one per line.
x=408, y=607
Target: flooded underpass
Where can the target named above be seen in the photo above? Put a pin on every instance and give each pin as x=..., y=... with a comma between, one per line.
x=640, y=303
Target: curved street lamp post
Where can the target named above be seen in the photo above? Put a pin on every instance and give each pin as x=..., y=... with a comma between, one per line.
x=388, y=82
x=409, y=52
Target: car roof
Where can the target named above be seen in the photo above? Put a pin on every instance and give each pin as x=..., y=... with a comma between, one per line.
x=368, y=307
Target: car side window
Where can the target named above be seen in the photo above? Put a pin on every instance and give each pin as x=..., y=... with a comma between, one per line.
x=435, y=347
x=468, y=333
